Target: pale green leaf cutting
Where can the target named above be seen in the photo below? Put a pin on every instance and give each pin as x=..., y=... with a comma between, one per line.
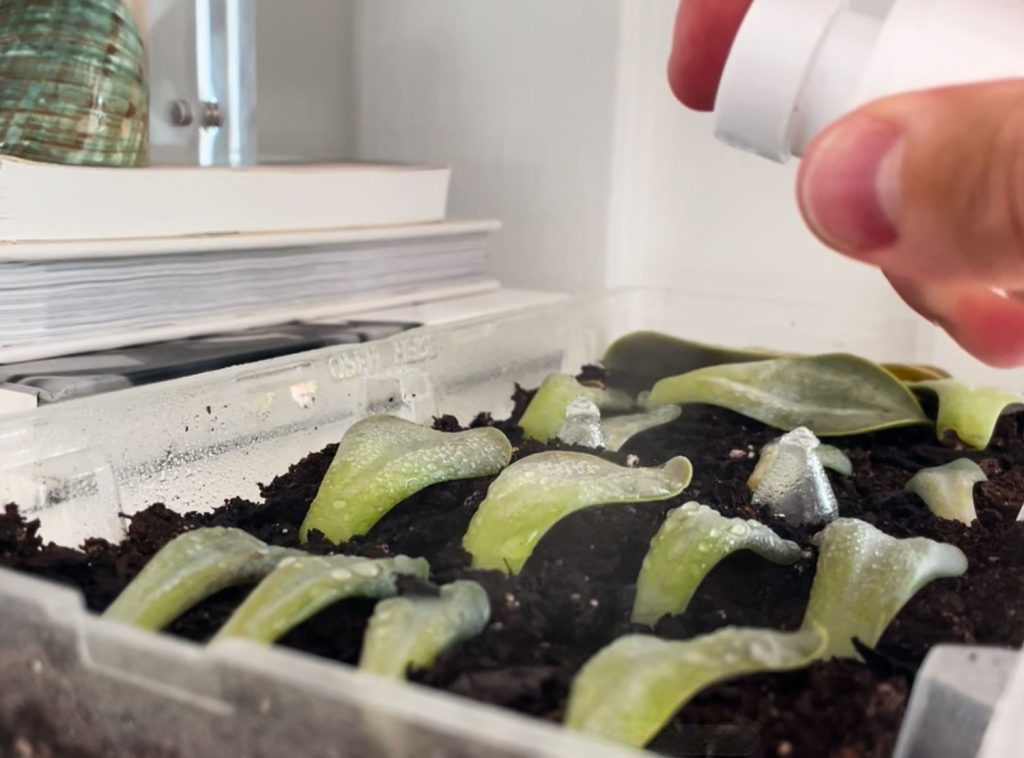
x=191, y=568
x=412, y=631
x=691, y=542
x=914, y=372
x=830, y=457
x=534, y=493
x=970, y=412
x=545, y=415
x=948, y=490
x=829, y=394
x=300, y=587
x=614, y=400
x=619, y=430
x=630, y=689
x=864, y=577
x=638, y=360
x=382, y=460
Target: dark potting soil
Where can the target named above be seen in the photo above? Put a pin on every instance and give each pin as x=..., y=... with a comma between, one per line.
x=574, y=595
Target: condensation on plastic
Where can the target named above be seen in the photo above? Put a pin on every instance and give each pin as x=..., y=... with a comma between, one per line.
x=191, y=443
x=955, y=692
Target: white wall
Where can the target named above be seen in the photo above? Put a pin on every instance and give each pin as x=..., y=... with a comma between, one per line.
x=692, y=213
x=519, y=98
x=557, y=119
x=305, y=79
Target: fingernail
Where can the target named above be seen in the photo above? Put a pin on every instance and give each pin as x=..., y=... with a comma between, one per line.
x=850, y=186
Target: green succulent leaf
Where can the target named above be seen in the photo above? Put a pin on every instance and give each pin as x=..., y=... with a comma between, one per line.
x=830, y=394
x=614, y=400
x=830, y=457
x=630, y=689
x=545, y=415
x=619, y=430
x=382, y=460
x=948, y=490
x=914, y=372
x=411, y=632
x=535, y=492
x=300, y=587
x=638, y=360
x=864, y=577
x=191, y=568
x=691, y=542
x=970, y=412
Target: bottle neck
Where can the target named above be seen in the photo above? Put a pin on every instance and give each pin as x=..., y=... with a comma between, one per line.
x=833, y=76
x=792, y=70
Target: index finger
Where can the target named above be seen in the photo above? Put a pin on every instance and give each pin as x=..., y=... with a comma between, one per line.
x=704, y=33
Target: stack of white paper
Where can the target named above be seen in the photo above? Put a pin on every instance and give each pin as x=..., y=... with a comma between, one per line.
x=59, y=298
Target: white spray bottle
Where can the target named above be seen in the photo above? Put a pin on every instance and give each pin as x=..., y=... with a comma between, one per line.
x=798, y=65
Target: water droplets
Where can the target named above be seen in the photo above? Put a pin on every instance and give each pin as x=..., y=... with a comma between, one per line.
x=865, y=576
x=190, y=568
x=382, y=460
x=295, y=592
x=693, y=539
x=366, y=569
x=582, y=425
x=410, y=632
x=531, y=495
x=739, y=530
x=795, y=486
x=948, y=490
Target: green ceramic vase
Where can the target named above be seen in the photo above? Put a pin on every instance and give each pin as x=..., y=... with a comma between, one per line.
x=72, y=83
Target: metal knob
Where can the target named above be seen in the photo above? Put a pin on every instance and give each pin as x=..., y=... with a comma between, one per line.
x=181, y=113
x=212, y=117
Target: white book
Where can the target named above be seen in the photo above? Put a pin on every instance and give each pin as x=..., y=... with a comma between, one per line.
x=42, y=201
x=58, y=298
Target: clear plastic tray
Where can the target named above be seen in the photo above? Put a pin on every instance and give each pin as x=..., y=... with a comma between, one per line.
x=192, y=443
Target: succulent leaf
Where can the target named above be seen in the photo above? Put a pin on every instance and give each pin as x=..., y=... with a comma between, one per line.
x=300, y=587
x=830, y=394
x=948, y=490
x=630, y=689
x=830, y=457
x=382, y=460
x=619, y=430
x=191, y=568
x=970, y=412
x=691, y=542
x=535, y=492
x=412, y=631
x=864, y=577
x=637, y=361
x=545, y=415
x=914, y=372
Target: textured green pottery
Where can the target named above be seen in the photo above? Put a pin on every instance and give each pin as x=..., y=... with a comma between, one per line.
x=72, y=83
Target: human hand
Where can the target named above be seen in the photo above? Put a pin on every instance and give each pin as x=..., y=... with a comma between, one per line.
x=927, y=186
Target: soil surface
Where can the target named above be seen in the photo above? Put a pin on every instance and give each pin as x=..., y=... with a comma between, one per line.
x=574, y=595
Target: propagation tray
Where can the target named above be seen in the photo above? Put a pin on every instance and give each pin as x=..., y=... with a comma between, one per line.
x=193, y=442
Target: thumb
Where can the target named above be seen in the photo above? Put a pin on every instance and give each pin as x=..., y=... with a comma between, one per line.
x=927, y=186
